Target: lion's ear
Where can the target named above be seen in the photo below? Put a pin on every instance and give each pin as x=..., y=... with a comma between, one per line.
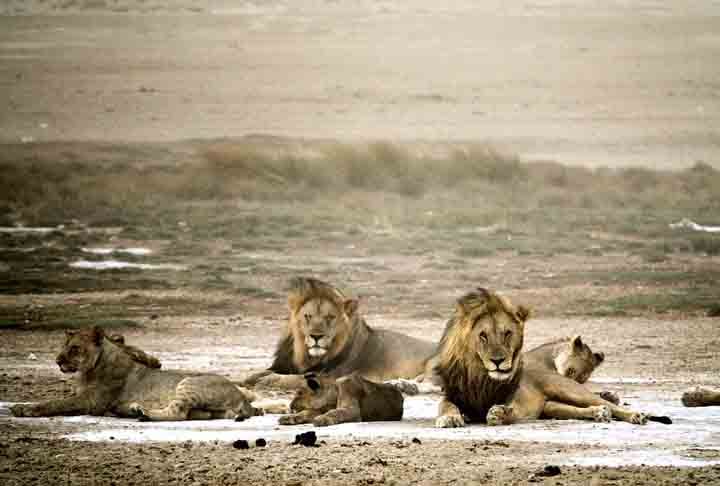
x=599, y=358
x=523, y=313
x=577, y=343
x=97, y=334
x=350, y=307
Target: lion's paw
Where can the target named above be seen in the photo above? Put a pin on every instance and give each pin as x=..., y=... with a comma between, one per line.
x=290, y=420
x=407, y=387
x=694, y=398
x=137, y=411
x=499, y=415
x=638, y=418
x=449, y=421
x=610, y=397
x=324, y=421
x=601, y=413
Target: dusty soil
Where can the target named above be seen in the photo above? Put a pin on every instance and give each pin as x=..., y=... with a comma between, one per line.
x=583, y=82
x=579, y=81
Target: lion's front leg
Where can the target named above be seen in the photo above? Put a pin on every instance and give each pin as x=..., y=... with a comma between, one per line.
x=449, y=415
x=284, y=382
x=75, y=405
x=338, y=416
x=573, y=393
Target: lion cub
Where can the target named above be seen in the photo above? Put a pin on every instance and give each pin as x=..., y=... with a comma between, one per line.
x=116, y=379
x=329, y=401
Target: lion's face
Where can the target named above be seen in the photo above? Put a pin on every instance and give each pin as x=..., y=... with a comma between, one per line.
x=80, y=351
x=577, y=361
x=498, y=339
x=322, y=326
x=487, y=333
x=315, y=394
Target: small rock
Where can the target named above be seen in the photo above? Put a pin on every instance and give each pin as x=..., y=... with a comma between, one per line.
x=260, y=442
x=307, y=439
x=241, y=444
x=32, y=357
x=416, y=441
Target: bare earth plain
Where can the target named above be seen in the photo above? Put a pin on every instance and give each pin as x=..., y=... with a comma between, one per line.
x=407, y=152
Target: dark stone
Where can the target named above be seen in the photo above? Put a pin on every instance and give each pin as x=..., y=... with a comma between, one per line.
x=307, y=439
x=241, y=444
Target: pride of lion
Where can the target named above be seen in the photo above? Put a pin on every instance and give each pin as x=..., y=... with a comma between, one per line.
x=343, y=370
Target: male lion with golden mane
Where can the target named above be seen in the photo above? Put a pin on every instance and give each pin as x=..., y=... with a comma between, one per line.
x=480, y=363
x=326, y=334
x=329, y=401
x=114, y=378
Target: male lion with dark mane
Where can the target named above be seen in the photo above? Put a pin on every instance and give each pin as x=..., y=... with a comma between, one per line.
x=326, y=334
x=480, y=363
x=117, y=379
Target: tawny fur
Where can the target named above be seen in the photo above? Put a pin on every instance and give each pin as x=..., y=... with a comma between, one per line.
x=319, y=309
x=467, y=363
x=327, y=401
x=463, y=373
x=110, y=381
x=701, y=397
x=136, y=354
x=570, y=357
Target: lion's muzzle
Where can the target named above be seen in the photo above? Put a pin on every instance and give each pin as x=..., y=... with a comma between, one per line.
x=317, y=345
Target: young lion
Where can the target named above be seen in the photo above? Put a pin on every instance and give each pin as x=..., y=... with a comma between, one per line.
x=701, y=397
x=327, y=401
x=484, y=378
x=570, y=357
x=111, y=381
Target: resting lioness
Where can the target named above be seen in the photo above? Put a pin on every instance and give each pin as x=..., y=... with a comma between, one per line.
x=326, y=334
x=329, y=401
x=484, y=379
x=570, y=357
x=701, y=397
x=111, y=381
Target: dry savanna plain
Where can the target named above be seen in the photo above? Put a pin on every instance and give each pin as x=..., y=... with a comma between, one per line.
x=167, y=166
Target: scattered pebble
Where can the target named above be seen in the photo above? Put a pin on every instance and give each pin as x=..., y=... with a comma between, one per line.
x=241, y=444
x=416, y=441
x=307, y=439
x=546, y=472
x=260, y=442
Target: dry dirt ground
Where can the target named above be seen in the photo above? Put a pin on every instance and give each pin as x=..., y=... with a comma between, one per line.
x=585, y=82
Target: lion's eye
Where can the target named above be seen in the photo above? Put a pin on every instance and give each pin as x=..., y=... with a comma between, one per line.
x=508, y=335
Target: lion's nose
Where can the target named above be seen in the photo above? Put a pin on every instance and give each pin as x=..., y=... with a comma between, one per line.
x=317, y=337
x=497, y=361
